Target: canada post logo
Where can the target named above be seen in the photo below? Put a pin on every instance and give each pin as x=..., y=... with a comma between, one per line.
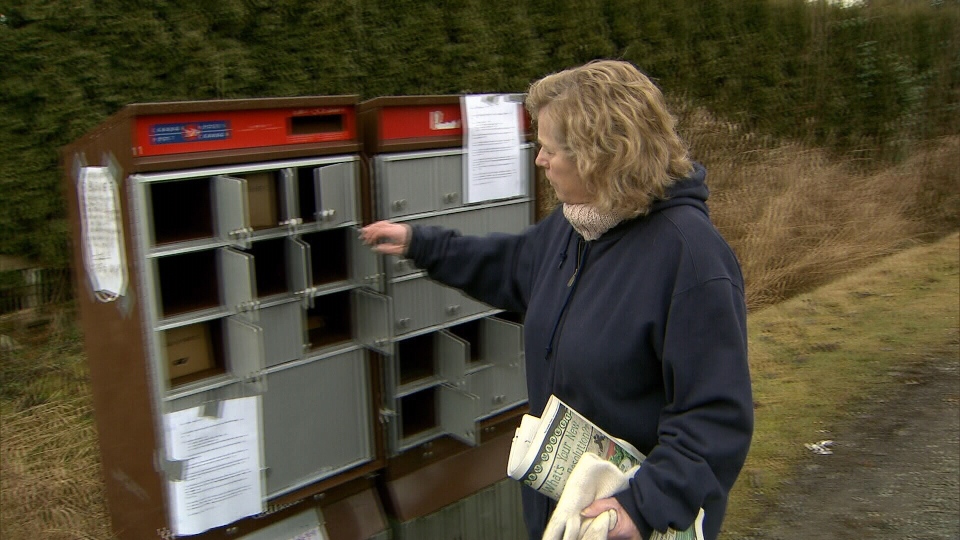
x=188, y=132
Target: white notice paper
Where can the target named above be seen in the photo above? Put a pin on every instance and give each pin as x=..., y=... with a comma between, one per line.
x=313, y=534
x=101, y=233
x=221, y=480
x=492, y=145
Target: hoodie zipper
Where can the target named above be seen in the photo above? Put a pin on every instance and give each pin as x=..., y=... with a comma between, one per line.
x=583, y=248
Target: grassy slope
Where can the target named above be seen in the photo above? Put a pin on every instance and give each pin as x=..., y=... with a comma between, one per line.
x=816, y=355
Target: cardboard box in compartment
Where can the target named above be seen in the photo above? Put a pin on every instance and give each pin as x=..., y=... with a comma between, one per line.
x=262, y=199
x=189, y=350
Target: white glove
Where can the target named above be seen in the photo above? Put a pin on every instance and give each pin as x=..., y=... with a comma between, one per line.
x=592, y=478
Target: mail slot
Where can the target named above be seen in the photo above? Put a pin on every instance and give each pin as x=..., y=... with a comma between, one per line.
x=188, y=282
x=329, y=258
x=194, y=218
x=190, y=351
x=329, y=320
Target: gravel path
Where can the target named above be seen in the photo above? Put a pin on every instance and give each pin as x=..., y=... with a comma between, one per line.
x=895, y=468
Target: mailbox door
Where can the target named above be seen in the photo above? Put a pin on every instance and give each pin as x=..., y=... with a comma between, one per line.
x=283, y=332
x=502, y=343
x=449, y=175
x=452, y=354
x=245, y=351
x=365, y=264
x=457, y=305
x=372, y=320
x=407, y=183
x=336, y=193
x=299, y=271
x=238, y=276
x=316, y=420
x=458, y=414
x=232, y=209
x=416, y=305
x=509, y=218
x=289, y=209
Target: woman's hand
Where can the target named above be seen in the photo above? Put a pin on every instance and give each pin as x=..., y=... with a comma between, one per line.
x=387, y=238
x=624, y=528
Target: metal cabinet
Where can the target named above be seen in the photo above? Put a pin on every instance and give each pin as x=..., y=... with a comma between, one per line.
x=273, y=284
x=433, y=385
x=269, y=283
x=239, y=274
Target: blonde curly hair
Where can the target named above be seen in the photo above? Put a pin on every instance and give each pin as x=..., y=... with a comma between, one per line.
x=613, y=122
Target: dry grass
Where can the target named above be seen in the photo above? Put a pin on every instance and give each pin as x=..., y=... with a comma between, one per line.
x=797, y=219
x=50, y=475
x=50, y=471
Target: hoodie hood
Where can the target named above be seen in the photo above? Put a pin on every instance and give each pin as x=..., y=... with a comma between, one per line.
x=691, y=191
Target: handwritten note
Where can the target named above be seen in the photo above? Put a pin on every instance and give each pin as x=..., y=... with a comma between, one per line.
x=492, y=146
x=221, y=478
x=102, y=233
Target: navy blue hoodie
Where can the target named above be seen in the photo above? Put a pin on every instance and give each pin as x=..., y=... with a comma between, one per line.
x=642, y=330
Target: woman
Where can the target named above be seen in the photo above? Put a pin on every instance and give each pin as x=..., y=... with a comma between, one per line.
x=633, y=303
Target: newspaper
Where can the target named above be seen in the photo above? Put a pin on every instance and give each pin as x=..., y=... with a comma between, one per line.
x=546, y=449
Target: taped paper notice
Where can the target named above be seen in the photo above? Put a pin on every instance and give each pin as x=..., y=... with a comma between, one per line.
x=492, y=147
x=313, y=534
x=101, y=232
x=221, y=480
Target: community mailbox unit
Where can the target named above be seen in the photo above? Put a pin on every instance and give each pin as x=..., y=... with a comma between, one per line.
x=453, y=373
x=222, y=293
x=247, y=352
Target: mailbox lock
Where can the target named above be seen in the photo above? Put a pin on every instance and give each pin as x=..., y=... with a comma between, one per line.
x=403, y=323
x=453, y=310
x=399, y=204
x=450, y=198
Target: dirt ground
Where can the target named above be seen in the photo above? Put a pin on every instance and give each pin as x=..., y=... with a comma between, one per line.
x=894, y=471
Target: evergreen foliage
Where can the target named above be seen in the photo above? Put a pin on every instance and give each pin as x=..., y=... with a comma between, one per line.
x=877, y=77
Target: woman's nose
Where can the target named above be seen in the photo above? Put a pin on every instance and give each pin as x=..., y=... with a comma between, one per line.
x=540, y=161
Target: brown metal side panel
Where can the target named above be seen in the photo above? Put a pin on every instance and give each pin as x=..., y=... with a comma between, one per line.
x=430, y=488
x=114, y=346
x=358, y=517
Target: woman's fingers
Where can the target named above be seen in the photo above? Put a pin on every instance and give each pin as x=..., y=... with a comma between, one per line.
x=386, y=237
